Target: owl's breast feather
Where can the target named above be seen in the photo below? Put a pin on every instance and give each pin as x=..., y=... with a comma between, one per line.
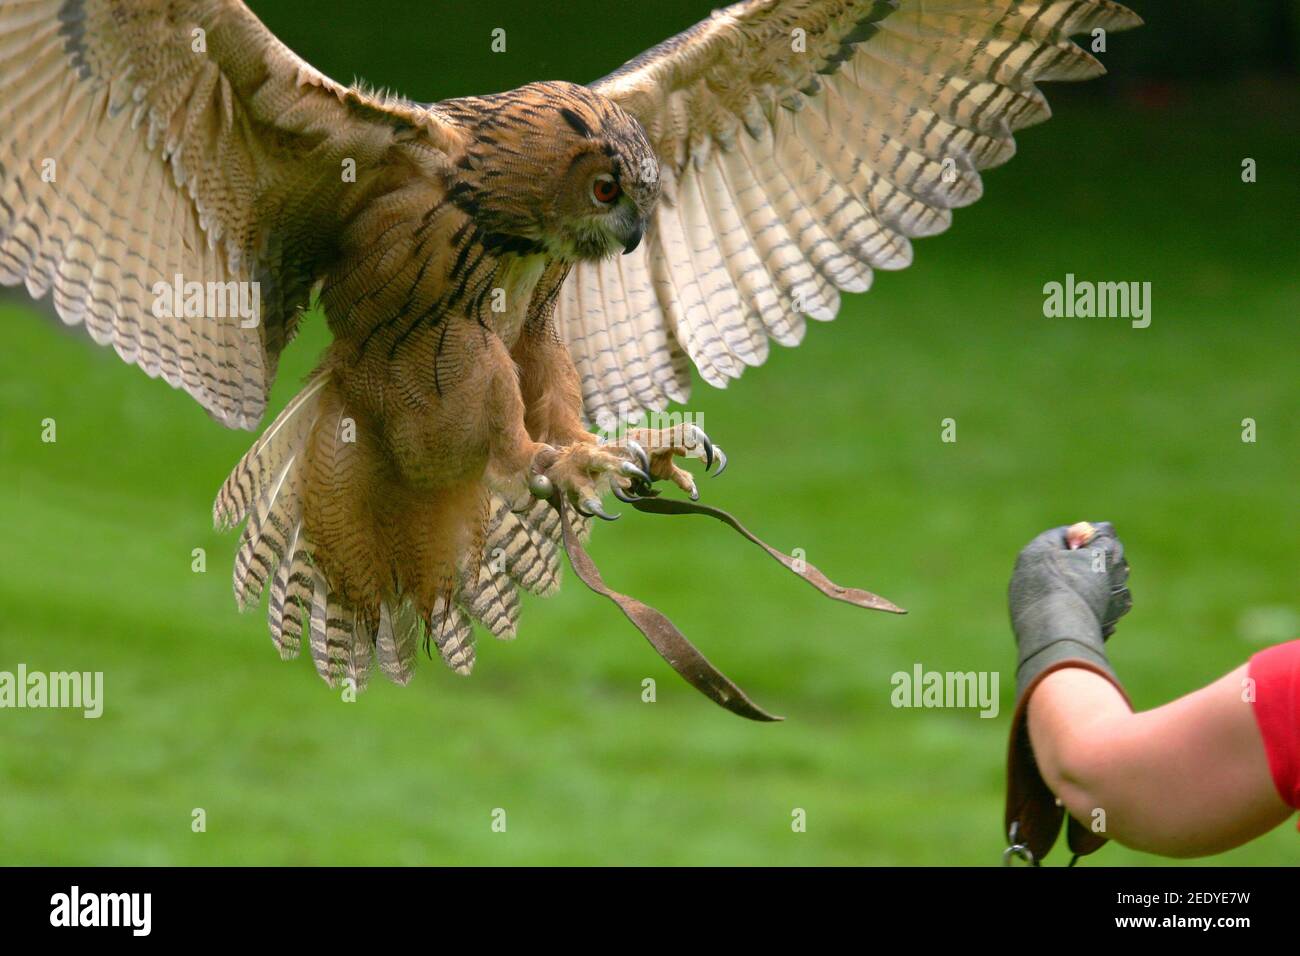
x=508, y=304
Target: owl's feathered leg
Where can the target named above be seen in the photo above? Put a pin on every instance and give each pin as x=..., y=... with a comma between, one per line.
x=561, y=452
x=585, y=467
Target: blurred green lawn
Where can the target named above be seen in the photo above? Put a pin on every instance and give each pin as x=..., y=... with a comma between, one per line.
x=835, y=448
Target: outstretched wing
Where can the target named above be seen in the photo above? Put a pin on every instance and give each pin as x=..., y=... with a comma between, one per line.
x=803, y=144
x=148, y=140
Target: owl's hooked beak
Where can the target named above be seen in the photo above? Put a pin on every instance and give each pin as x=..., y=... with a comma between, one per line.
x=632, y=238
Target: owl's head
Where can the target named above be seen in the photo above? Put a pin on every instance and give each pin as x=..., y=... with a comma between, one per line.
x=560, y=169
x=607, y=180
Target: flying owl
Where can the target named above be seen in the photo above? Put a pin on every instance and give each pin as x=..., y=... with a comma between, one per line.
x=499, y=273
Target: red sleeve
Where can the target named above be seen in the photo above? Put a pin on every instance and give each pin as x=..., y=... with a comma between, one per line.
x=1276, y=673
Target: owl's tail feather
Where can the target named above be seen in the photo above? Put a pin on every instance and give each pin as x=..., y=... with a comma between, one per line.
x=267, y=492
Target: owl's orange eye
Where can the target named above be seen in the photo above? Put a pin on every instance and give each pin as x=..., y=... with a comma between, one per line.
x=605, y=190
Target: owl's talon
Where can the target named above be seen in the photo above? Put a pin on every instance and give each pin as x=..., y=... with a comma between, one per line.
x=632, y=471
x=636, y=449
x=595, y=510
x=722, y=461
x=624, y=496
x=686, y=440
x=582, y=471
x=700, y=437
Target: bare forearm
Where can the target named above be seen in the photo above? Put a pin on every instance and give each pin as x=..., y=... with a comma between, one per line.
x=1186, y=779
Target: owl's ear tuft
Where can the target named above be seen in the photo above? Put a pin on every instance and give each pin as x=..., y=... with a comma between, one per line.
x=576, y=122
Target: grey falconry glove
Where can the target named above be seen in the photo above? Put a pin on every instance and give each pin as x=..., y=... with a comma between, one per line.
x=1068, y=590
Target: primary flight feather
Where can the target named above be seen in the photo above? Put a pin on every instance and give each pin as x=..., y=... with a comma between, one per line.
x=467, y=257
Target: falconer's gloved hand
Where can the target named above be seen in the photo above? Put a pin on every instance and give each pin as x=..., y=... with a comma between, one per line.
x=1068, y=590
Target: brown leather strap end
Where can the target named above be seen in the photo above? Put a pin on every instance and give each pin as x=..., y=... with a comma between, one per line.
x=671, y=644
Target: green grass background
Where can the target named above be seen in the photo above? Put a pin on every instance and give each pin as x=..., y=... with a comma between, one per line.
x=835, y=448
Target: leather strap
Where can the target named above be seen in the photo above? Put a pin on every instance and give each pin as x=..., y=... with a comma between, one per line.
x=854, y=596
x=671, y=644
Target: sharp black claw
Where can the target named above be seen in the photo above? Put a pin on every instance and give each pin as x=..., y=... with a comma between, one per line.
x=622, y=495
x=636, y=449
x=695, y=494
x=708, y=447
x=595, y=510
x=722, y=462
x=632, y=471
